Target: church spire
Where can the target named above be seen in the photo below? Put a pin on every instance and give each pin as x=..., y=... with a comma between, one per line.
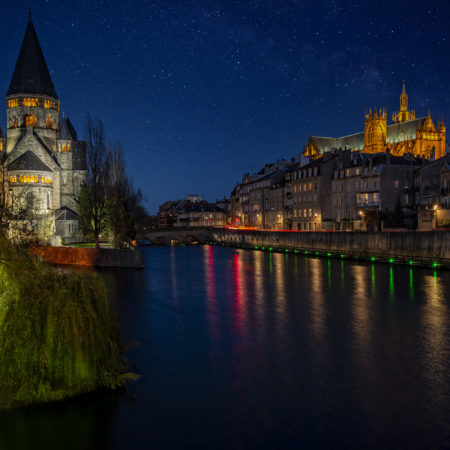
x=404, y=114
x=404, y=99
x=31, y=75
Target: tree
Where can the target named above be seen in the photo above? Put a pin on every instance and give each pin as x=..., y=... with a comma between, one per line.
x=123, y=200
x=398, y=218
x=93, y=210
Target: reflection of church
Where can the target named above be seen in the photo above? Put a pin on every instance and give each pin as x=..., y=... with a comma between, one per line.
x=45, y=162
x=407, y=135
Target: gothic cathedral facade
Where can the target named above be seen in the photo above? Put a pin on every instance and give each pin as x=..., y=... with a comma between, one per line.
x=44, y=163
x=406, y=135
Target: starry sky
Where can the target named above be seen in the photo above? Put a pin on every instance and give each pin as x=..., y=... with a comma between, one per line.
x=200, y=92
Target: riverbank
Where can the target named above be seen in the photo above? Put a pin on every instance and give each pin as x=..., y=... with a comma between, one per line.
x=409, y=247
x=97, y=257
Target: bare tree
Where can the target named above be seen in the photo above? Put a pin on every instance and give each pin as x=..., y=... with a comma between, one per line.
x=93, y=193
x=123, y=200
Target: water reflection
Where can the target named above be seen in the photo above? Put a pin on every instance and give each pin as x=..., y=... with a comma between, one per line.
x=361, y=322
x=210, y=288
x=243, y=349
x=317, y=298
x=83, y=423
x=258, y=262
x=173, y=273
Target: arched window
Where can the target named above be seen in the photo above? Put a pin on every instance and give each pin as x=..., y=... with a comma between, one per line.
x=49, y=122
x=31, y=120
x=29, y=199
x=49, y=206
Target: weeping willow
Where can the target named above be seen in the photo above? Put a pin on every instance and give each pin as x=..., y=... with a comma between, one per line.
x=58, y=335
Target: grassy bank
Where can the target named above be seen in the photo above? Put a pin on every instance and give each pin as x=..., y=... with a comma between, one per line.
x=58, y=336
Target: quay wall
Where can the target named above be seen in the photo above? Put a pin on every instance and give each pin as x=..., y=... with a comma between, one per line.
x=98, y=257
x=414, y=245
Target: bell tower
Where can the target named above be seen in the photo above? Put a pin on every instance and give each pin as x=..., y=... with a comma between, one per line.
x=31, y=100
x=404, y=114
x=375, y=130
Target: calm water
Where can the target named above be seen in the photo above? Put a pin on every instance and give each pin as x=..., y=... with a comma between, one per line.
x=250, y=350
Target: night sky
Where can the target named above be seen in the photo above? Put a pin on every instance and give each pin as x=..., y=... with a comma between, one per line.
x=200, y=92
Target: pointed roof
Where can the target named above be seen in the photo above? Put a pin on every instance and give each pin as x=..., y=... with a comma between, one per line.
x=66, y=213
x=67, y=130
x=31, y=75
x=28, y=161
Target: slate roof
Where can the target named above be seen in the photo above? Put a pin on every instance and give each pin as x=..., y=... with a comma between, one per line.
x=66, y=213
x=67, y=131
x=356, y=141
x=31, y=75
x=28, y=161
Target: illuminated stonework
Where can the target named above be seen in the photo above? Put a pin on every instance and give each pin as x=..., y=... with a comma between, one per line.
x=407, y=135
x=48, y=104
x=375, y=131
x=43, y=162
x=404, y=114
x=13, y=103
x=29, y=179
x=30, y=102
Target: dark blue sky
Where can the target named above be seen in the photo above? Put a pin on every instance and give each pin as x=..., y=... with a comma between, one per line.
x=200, y=92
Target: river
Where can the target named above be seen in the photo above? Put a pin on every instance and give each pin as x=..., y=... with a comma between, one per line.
x=241, y=349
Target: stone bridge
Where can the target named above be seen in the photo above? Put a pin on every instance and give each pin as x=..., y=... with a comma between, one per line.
x=174, y=235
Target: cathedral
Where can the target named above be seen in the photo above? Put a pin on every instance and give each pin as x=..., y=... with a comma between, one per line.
x=406, y=135
x=44, y=163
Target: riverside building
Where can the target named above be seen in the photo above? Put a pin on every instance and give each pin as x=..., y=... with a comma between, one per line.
x=358, y=182
x=43, y=162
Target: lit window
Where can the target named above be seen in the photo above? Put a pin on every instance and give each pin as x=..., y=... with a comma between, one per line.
x=13, y=103
x=31, y=120
x=49, y=122
x=396, y=184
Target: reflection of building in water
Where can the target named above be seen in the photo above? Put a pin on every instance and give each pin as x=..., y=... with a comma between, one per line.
x=435, y=335
x=210, y=288
x=317, y=296
x=361, y=323
x=258, y=263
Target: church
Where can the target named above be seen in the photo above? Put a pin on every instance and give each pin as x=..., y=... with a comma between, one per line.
x=44, y=163
x=406, y=135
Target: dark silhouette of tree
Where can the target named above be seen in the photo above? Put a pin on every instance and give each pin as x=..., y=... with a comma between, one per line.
x=93, y=210
x=123, y=200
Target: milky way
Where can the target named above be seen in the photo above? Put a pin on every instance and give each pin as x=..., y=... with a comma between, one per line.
x=201, y=92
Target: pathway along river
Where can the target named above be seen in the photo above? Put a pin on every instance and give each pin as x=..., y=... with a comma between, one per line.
x=244, y=349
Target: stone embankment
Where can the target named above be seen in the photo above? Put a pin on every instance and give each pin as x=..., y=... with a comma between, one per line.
x=410, y=247
x=98, y=257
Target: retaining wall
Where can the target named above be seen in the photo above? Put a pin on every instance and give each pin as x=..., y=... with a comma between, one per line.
x=413, y=245
x=98, y=257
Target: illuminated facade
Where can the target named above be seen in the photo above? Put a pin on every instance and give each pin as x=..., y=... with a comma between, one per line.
x=44, y=162
x=406, y=135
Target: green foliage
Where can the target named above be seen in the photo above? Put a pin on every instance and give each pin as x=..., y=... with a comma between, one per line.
x=92, y=220
x=58, y=336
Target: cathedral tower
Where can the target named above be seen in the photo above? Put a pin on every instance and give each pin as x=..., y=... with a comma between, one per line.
x=375, y=131
x=31, y=100
x=404, y=114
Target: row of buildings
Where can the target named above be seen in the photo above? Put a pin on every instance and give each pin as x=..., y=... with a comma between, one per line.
x=395, y=176
x=193, y=211
x=345, y=190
